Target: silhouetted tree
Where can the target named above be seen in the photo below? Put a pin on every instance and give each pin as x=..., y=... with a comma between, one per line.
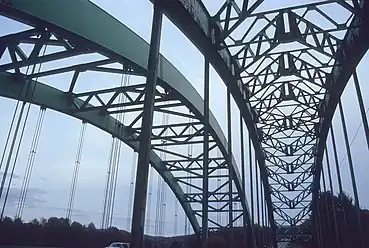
x=338, y=222
x=35, y=222
x=58, y=232
x=7, y=221
x=18, y=222
x=91, y=226
x=76, y=225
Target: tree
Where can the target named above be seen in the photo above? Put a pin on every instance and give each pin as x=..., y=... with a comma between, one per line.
x=7, y=221
x=336, y=217
x=76, y=225
x=18, y=221
x=35, y=222
x=43, y=221
x=91, y=226
x=57, y=222
x=56, y=232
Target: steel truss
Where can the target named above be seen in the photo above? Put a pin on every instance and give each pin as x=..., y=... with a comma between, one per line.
x=286, y=69
x=112, y=53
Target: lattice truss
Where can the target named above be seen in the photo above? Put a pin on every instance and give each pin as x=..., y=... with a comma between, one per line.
x=285, y=57
x=178, y=129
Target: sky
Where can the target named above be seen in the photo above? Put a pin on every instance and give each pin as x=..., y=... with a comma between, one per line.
x=55, y=157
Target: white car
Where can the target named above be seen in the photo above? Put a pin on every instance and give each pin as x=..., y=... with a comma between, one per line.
x=119, y=245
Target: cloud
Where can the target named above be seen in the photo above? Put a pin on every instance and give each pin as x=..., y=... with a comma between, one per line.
x=43, y=178
x=34, y=197
x=14, y=175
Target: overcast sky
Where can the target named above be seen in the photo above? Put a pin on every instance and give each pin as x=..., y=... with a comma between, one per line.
x=53, y=168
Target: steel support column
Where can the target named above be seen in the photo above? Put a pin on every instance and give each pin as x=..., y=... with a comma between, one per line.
x=267, y=234
x=243, y=174
x=139, y=204
x=349, y=156
x=242, y=157
x=257, y=200
x=205, y=164
x=362, y=107
x=262, y=215
x=251, y=184
x=336, y=160
x=230, y=182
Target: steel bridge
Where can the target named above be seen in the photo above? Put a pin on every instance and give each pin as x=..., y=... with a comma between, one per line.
x=286, y=69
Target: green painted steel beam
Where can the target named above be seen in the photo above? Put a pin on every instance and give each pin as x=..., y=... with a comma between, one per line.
x=54, y=99
x=88, y=22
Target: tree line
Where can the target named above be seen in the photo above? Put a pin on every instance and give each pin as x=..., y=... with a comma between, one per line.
x=334, y=220
x=56, y=232
x=60, y=232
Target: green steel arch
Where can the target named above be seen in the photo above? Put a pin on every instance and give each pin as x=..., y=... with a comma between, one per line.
x=84, y=24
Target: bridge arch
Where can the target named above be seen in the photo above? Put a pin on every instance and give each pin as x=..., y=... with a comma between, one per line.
x=352, y=50
x=83, y=35
x=208, y=33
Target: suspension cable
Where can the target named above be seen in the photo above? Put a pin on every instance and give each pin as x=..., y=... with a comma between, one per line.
x=11, y=149
x=175, y=217
x=158, y=204
x=11, y=176
x=114, y=159
x=115, y=181
x=32, y=91
x=131, y=188
x=219, y=183
x=13, y=167
x=125, y=81
x=364, y=119
x=9, y=134
x=353, y=138
x=161, y=202
x=352, y=173
x=30, y=163
x=105, y=205
x=338, y=171
x=189, y=179
x=77, y=164
x=148, y=215
x=12, y=124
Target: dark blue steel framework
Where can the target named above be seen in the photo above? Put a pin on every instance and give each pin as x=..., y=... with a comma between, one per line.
x=287, y=95
x=266, y=78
